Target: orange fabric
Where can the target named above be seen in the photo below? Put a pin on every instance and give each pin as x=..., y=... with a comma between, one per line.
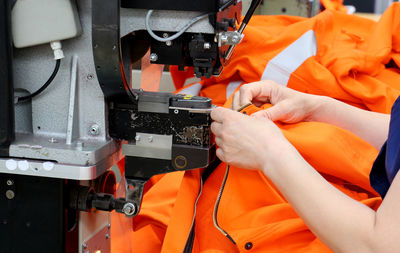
x=336, y=5
x=357, y=62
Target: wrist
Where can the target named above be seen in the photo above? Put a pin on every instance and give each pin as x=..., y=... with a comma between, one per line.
x=318, y=108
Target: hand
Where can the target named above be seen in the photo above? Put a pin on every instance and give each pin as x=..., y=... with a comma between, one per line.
x=248, y=142
x=289, y=106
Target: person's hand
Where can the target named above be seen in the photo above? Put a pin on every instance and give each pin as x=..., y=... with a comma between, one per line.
x=248, y=142
x=289, y=106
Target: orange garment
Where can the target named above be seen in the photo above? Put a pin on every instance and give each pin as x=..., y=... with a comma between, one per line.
x=336, y=5
x=352, y=59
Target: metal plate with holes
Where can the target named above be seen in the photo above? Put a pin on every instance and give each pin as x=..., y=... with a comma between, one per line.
x=98, y=243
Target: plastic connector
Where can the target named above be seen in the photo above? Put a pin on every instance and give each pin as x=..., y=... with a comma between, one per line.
x=57, y=49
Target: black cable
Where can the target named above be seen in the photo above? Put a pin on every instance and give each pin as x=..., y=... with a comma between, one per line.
x=45, y=85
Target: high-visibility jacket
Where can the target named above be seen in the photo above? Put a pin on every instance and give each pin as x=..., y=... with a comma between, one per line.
x=349, y=58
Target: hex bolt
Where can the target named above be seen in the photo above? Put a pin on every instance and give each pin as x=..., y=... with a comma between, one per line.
x=207, y=45
x=94, y=129
x=153, y=57
x=129, y=209
x=10, y=182
x=10, y=194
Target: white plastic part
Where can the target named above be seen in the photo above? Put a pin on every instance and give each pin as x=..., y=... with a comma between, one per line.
x=58, y=53
x=36, y=22
x=23, y=165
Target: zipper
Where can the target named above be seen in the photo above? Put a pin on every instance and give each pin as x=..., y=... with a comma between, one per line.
x=215, y=213
x=189, y=241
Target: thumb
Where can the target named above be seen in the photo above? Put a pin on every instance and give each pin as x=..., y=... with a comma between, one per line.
x=273, y=113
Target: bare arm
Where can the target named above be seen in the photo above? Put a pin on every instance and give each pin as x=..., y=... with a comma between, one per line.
x=291, y=106
x=370, y=126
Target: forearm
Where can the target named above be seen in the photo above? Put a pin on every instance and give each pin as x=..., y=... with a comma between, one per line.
x=370, y=126
x=341, y=223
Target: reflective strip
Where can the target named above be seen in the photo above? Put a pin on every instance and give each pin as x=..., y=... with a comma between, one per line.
x=232, y=86
x=193, y=89
x=286, y=62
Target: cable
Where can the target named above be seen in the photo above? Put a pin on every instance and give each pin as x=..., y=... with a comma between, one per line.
x=45, y=85
x=176, y=35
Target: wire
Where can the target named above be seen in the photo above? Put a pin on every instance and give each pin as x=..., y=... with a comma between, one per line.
x=45, y=85
x=176, y=35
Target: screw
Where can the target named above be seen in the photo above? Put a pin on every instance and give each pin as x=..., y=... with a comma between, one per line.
x=165, y=35
x=207, y=45
x=10, y=194
x=137, y=137
x=10, y=182
x=53, y=140
x=89, y=77
x=129, y=209
x=150, y=138
x=176, y=111
x=168, y=43
x=94, y=130
x=153, y=57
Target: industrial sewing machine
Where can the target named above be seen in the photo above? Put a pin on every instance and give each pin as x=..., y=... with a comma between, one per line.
x=60, y=137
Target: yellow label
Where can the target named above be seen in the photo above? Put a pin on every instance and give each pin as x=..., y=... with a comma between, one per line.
x=187, y=97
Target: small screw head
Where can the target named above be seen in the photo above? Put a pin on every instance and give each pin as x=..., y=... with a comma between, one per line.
x=10, y=194
x=176, y=111
x=207, y=45
x=10, y=182
x=153, y=57
x=168, y=43
x=94, y=130
x=165, y=35
x=53, y=140
x=90, y=77
x=129, y=209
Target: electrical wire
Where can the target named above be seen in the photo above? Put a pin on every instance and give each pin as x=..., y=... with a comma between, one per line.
x=45, y=85
x=176, y=35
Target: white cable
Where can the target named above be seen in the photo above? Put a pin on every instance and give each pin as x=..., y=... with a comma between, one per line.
x=176, y=35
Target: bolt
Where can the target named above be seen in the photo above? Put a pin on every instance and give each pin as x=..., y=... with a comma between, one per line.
x=165, y=35
x=129, y=209
x=137, y=137
x=53, y=140
x=94, y=130
x=89, y=77
x=168, y=43
x=150, y=138
x=10, y=194
x=153, y=57
x=10, y=182
x=176, y=111
x=207, y=45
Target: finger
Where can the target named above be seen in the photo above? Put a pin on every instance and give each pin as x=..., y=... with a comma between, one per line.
x=220, y=154
x=236, y=101
x=216, y=128
x=257, y=91
x=219, y=114
x=218, y=141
